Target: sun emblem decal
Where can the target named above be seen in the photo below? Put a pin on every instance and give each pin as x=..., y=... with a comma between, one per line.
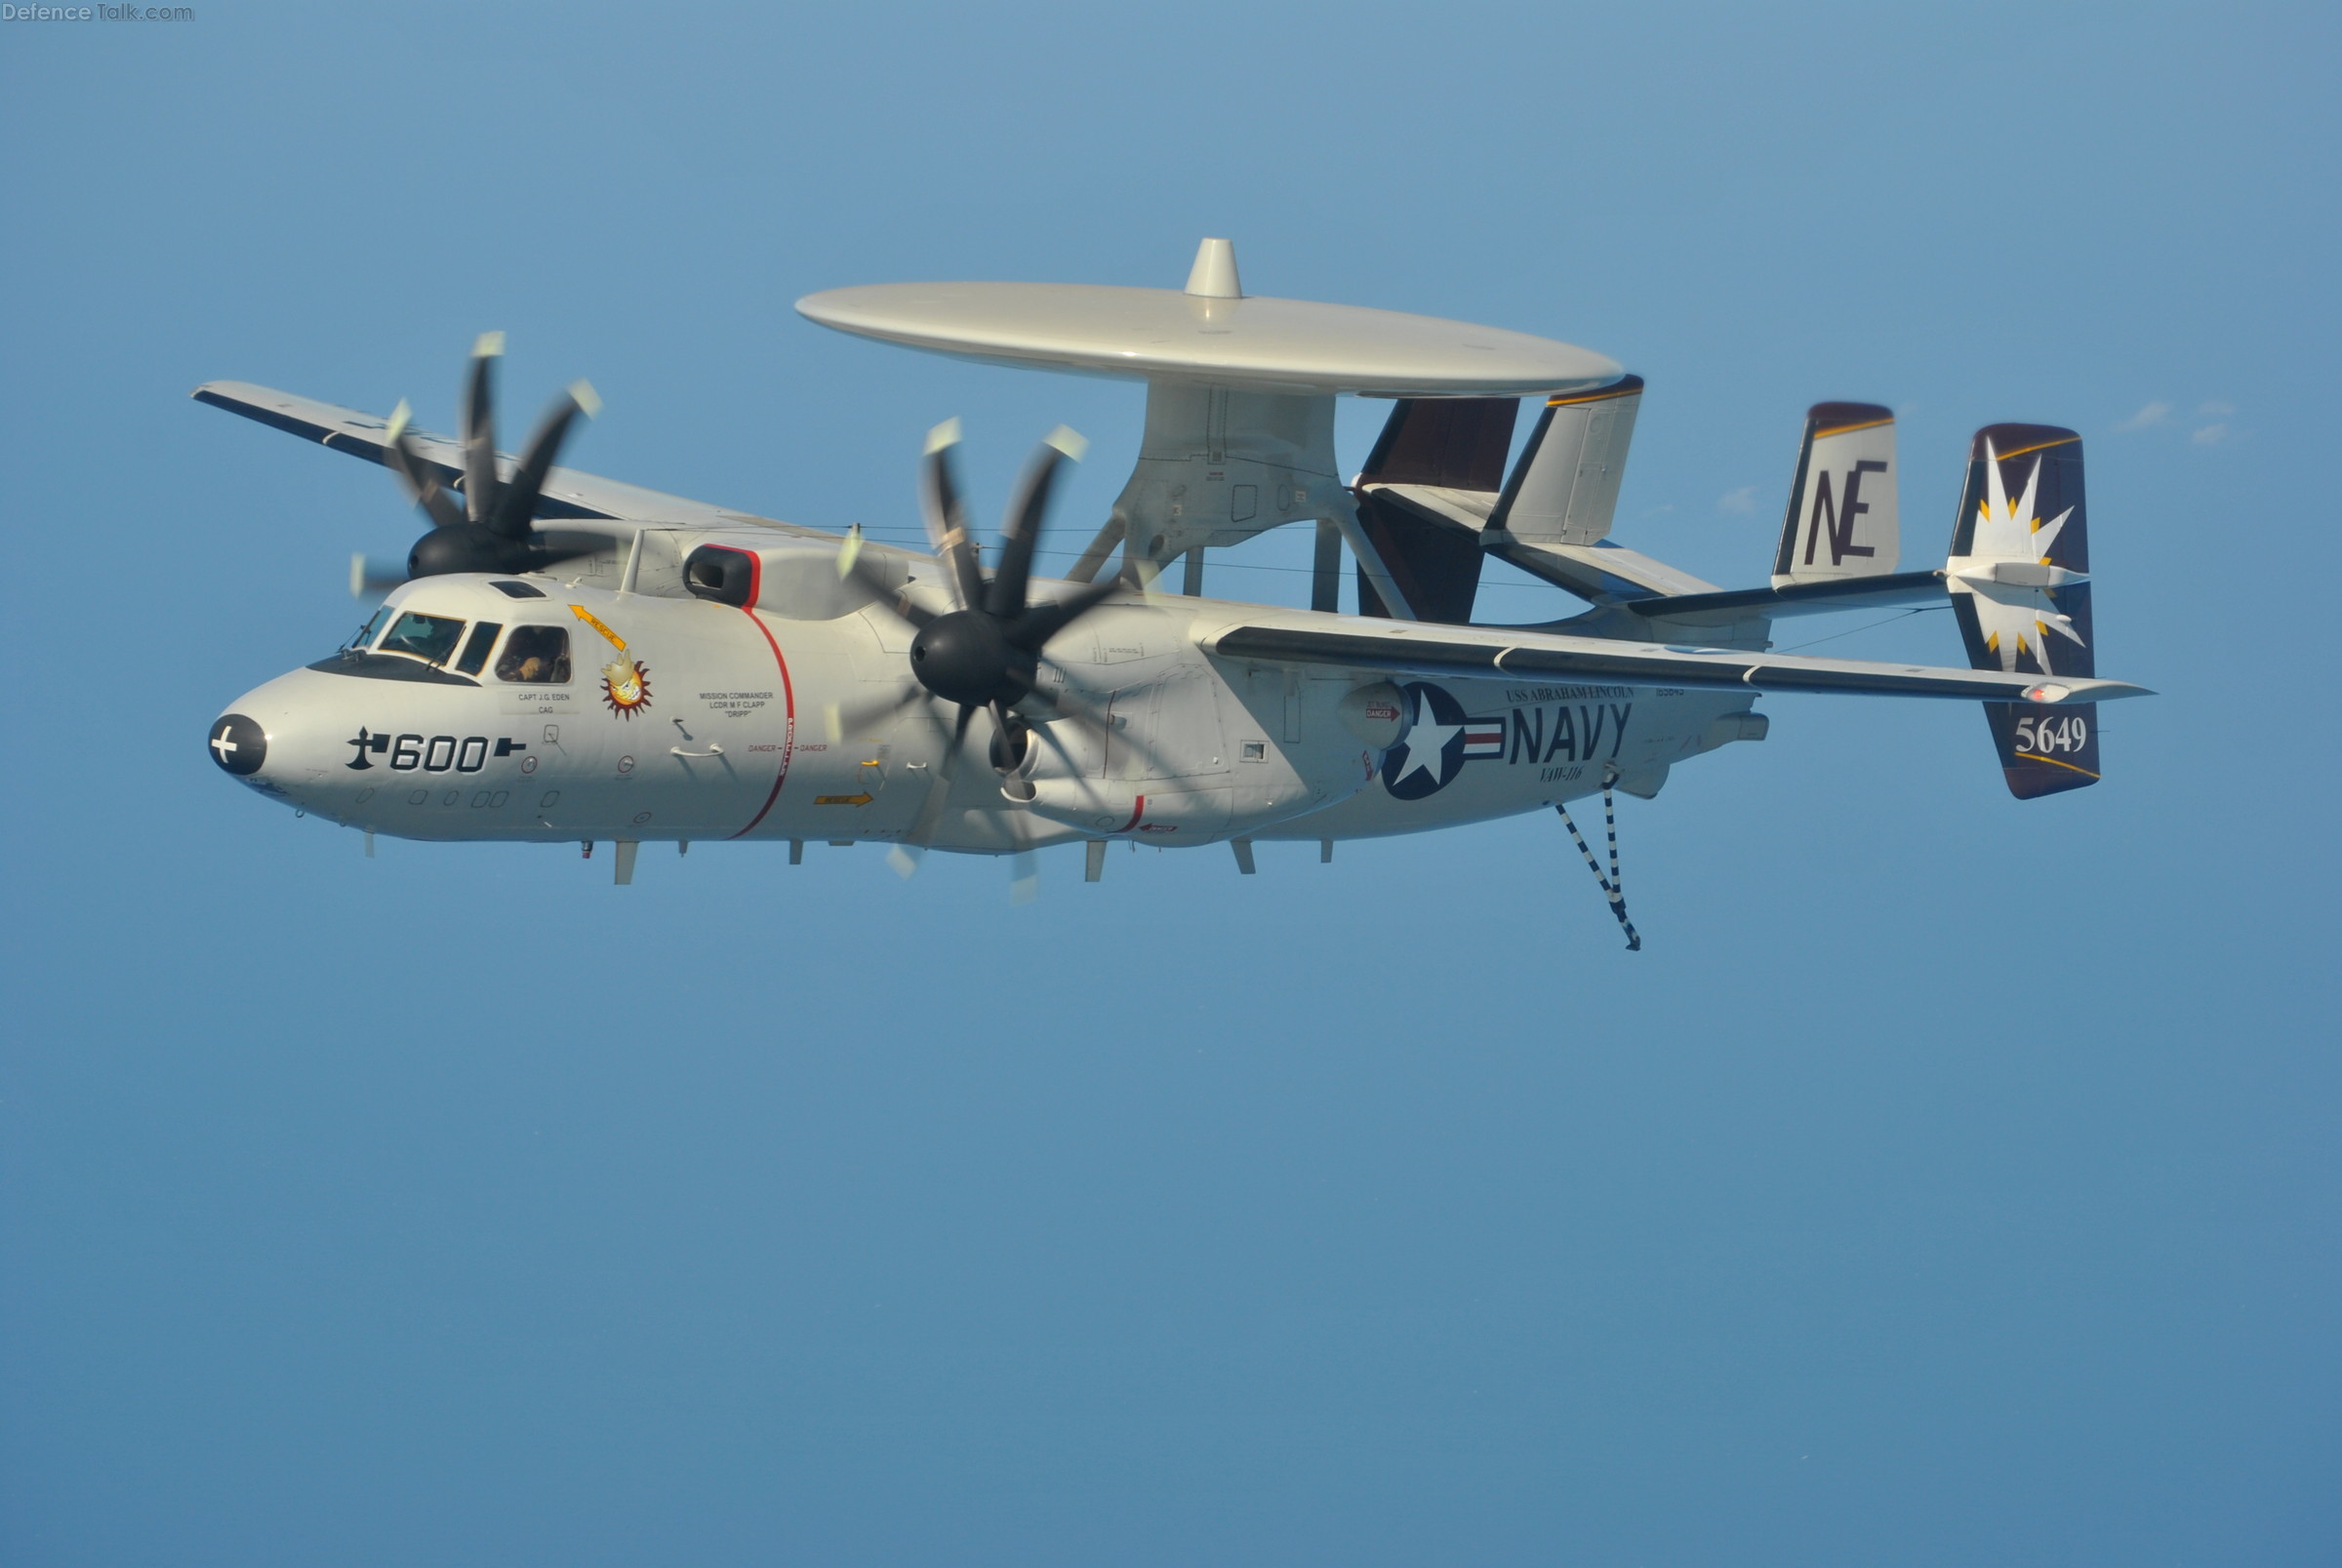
x=626, y=686
x=626, y=680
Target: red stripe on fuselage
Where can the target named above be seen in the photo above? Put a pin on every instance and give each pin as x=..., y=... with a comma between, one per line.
x=1136, y=812
x=788, y=690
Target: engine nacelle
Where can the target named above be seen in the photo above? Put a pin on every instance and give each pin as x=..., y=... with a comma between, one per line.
x=799, y=580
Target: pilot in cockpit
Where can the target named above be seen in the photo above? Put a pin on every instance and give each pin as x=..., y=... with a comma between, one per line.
x=535, y=655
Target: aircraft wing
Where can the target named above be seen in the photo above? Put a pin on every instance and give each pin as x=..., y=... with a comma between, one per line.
x=1429, y=651
x=567, y=492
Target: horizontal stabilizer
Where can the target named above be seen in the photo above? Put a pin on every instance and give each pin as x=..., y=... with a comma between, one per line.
x=1462, y=652
x=1429, y=495
x=1603, y=573
x=1816, y=597
x=1600, y=572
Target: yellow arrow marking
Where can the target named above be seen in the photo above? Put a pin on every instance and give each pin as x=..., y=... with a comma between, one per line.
x=590, y=619
x=842, y=800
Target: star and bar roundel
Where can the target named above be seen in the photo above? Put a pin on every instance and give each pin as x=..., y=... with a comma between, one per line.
x=1441, y=738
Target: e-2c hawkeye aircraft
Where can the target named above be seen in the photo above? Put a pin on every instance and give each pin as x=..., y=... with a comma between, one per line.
x=568, y=659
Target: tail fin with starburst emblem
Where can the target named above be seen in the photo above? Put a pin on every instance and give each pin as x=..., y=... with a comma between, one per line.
x=2019, y=576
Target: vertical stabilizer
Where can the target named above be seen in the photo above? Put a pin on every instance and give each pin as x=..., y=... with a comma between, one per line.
x=2019, y=576
x=1841, y=519
x=1553, y=519
x=1433, y=489
x=1422, y=497
x=1564, y=489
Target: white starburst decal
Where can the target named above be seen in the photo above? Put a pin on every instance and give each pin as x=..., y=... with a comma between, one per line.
x=2015, y=620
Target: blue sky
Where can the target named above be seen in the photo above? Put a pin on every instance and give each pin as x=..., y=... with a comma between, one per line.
x=1949, y=1180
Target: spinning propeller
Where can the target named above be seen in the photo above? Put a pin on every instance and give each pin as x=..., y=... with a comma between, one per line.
x=982, y=654
x=493, y=530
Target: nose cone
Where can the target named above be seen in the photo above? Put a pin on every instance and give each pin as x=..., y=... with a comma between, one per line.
x=238, y=744
x=276, y=738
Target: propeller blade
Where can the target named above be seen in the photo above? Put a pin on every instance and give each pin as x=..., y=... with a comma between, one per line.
x=516, y=507
x=850, y=563
x=420, y=478
x=1024, y=877
x=370, y=578
x=1026, y=515
x=479, y=428
x=1096, y=722
x=947, y=521
x=1031, y=630
x=840, y=722
x=1079, y=711
x=939, y=789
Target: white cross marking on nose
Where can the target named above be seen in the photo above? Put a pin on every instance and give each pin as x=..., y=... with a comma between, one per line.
x=222, y=744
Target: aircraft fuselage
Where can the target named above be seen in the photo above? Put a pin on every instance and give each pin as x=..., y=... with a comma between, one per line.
x=648, y=716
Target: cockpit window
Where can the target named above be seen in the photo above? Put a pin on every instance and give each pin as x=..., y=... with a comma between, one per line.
x=431, y=638
x=535, y=655
x=477, y=646
x=364, y=636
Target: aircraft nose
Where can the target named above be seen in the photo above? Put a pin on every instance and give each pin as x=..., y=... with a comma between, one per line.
x=269, y=739
x=238, y=744
x=283, y=737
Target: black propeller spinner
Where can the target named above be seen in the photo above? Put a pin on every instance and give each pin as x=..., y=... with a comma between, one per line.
x=984, y=653
x=493, y=532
